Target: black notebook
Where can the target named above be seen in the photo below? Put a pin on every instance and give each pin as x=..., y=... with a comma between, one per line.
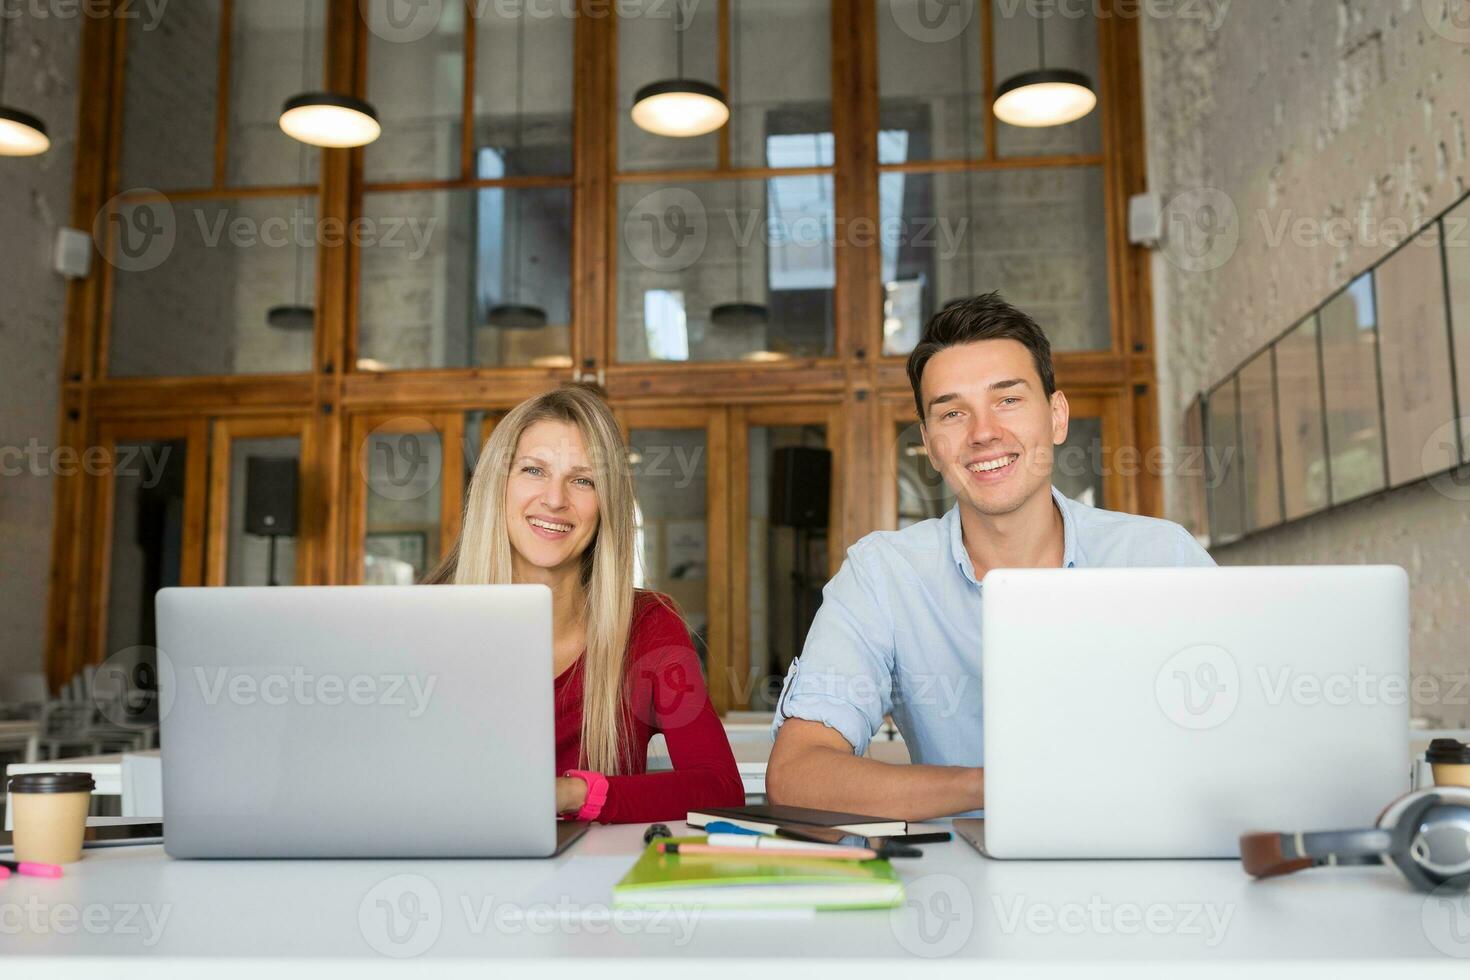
x=766, y=819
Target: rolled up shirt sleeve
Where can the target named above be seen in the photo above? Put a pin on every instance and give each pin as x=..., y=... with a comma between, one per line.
x=844, y=676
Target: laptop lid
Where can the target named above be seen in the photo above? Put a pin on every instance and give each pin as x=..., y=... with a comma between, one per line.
x=1163, y=712
x=361, y=721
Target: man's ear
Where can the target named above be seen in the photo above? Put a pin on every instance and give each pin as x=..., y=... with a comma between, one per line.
x=924, y=435
x=1061, y=415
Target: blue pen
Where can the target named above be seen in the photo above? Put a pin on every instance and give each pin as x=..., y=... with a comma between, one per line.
x=726, y=827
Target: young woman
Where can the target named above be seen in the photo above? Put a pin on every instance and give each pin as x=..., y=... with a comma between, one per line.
x=551, y=502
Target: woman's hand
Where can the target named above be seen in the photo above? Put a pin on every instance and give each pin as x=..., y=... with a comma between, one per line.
x=571, y=793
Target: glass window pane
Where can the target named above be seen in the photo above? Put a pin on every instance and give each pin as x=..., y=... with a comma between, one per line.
x=415, y=81
x=1349, y=363
x=787, y=566
x=1077, y=464
x=146, y=555
x=1457, y=259
x=1299, y=396
x=249, y=555
x=1226, y=511
x=1258, y=459
x=523, y=86
x=670, y=472
x=1038, y=236
x=147, y=537
x=403, y=471
x=930, y=102
x=197, y=281
x=1192, y=470
x=1418, y=388
x=1069, y=32
x=276, y=51
x=780, y=83
x=650, y=36
x=168, y=125
x=922, y=492
x=440, y=268
x=688, y=253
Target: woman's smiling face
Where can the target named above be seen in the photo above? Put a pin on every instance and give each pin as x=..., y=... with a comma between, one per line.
x=551, y=503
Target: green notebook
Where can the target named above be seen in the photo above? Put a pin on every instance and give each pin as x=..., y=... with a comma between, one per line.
x=765, y=881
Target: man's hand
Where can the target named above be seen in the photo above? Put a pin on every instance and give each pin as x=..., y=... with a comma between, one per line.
x=813, y=766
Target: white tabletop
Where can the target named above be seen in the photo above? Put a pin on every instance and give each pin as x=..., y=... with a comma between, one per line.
x=123, y=902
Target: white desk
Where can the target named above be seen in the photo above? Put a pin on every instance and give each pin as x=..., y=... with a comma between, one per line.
x=961, y=908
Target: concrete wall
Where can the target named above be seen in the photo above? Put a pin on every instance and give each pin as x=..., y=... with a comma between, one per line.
x=35, y=199
x=1314, y=110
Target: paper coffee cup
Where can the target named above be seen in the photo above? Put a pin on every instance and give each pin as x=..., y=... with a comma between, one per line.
x=50, y=815
x=1450, y=760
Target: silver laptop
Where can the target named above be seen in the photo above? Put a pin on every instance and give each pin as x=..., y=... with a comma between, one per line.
x=1160, y=713
x=360, y=721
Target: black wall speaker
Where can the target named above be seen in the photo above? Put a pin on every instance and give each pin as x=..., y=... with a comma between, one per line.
x=270, y=495
x=801, y=486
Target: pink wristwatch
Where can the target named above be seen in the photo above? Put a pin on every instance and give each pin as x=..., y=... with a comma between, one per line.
x=596, y=792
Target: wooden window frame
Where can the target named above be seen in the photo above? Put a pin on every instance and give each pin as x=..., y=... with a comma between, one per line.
x=224, y=432
x=334, y=402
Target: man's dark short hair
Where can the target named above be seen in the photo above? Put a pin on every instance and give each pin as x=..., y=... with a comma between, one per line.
x=968, y=321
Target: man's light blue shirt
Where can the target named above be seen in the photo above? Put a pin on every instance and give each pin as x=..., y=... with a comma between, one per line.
x=898, y=631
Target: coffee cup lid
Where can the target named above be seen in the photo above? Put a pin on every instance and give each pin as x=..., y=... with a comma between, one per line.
x=52, y=782
x=1448, y=750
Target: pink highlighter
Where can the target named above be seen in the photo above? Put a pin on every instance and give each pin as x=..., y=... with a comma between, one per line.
x=30, y=868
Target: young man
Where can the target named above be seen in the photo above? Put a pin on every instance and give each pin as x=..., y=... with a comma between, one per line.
x=899, y=628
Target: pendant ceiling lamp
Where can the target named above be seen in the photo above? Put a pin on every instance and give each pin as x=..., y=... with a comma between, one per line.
x=1044, y=96
x=741, y=312
x=327, y=119
x=513, y=314
x=680, y=106
x=296, y=315
x=968, y=178
x=21, y=134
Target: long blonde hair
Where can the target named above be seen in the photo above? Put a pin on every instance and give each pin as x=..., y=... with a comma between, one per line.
x=483, y=554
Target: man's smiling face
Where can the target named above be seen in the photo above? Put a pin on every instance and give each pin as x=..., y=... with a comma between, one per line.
x=988, y=424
